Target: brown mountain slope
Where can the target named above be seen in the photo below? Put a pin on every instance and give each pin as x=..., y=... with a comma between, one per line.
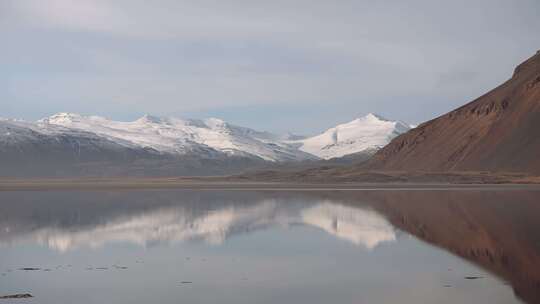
x=499, y=131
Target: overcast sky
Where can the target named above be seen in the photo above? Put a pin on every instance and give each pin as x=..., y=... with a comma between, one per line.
x=299, y=66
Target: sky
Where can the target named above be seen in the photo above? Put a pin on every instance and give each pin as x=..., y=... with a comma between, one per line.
x=293, y=65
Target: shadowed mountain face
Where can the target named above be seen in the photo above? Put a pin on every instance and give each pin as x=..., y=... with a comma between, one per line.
x=499, y=131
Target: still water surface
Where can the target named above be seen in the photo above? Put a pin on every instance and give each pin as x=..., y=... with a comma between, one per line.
x=270, y=246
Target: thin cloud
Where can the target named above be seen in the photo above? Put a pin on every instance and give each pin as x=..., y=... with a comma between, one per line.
x=194, y=56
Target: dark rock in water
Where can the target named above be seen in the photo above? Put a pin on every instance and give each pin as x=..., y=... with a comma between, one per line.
x=120, y=267
x=29, y=269
x=473, y=278
x=17, y=296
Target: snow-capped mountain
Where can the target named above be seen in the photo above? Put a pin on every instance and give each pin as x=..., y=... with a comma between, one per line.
x=72, y=144
x=365, y=134
x=178, y=136
x=24, y=144
x=45, y=149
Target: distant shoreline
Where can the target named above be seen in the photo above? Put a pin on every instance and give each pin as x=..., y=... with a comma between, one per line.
x=219, y=183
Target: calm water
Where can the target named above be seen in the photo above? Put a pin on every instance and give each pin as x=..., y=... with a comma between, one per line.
x=271, y=247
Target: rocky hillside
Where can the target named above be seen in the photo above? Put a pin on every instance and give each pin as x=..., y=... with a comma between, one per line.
x=499, y=131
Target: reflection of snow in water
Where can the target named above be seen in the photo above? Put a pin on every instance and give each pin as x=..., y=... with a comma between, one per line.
x=167, y=225
x=176, y=224
x=358, y=226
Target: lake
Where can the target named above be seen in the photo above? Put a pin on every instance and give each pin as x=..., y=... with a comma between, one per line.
x=205, y=246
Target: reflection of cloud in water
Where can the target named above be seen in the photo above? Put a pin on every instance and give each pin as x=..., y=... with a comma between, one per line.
x=178, y=224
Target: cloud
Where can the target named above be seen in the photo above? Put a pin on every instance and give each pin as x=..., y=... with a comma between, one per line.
x=173, y=56
x=68, y=15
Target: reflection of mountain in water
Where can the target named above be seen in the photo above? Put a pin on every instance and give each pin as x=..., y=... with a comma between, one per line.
x=359, y=226
x=180, y=223
x=497, y=230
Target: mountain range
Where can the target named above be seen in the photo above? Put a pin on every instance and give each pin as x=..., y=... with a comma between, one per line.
x=498, y=132
x=493, y=139
x=70, y=143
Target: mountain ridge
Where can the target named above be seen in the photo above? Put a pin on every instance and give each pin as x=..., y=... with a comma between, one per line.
x=181, y=136
x=499, y=131
x=364, y=134
x=173, y=135
x=67, y=144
